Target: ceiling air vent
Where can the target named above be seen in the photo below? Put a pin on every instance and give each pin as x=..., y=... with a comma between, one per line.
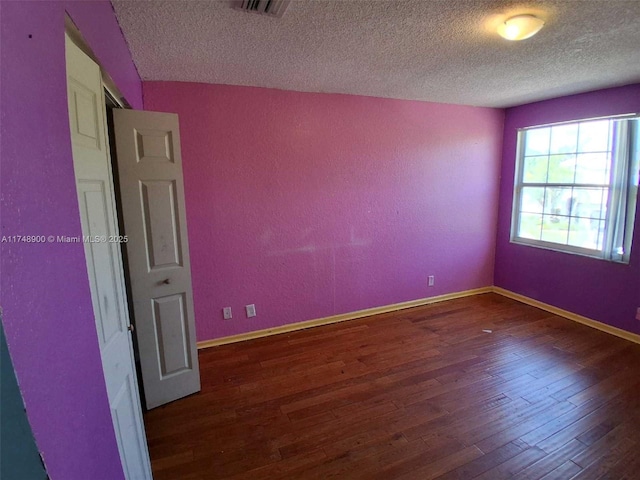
x=273, y=8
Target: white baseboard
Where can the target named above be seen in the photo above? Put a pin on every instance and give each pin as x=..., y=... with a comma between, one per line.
x=618, y=332
x=291, y=327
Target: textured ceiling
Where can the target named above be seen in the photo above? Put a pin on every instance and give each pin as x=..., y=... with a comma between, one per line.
x=436, y=50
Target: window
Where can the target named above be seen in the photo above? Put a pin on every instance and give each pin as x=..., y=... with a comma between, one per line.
x=576, y=187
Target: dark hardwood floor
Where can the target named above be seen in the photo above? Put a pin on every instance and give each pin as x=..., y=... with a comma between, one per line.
x=422, y=393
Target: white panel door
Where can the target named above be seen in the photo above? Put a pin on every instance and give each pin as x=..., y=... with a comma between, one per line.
x=152, y=193
x=91, y=160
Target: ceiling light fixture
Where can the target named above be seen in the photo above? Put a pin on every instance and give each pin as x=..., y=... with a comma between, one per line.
x=520, y=27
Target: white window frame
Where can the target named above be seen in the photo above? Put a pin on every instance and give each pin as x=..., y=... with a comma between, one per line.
x=622, y=198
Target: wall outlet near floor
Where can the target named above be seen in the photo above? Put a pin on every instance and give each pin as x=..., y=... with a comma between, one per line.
x=251, y=310
x=638, y=314
x=226, y=313
x=431, y=280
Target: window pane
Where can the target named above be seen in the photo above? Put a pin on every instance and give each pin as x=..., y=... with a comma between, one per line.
x=529, y=226
x=532, y=199
x=600, y=244
x=561, y=168
x=585, y=232
x=535, y=169
x=537, y=141
x=589, y=203
x=555, y=229
x=594, y=136
x=558, y=200
x=564, y=138
x=593, y=168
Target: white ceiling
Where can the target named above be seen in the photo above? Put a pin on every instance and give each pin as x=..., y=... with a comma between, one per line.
x=436, y=50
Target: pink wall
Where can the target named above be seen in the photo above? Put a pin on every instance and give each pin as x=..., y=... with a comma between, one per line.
x=311, y=205
x=604, y=291
x=48, y=317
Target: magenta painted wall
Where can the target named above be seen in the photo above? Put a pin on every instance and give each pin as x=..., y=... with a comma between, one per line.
x=604, y=291
x=311, y=205
x=44, y=288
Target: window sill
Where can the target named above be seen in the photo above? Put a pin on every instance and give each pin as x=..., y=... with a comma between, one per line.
x=593, y=254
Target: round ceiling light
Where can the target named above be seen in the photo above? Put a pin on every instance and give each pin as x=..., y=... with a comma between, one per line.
x=520, y=27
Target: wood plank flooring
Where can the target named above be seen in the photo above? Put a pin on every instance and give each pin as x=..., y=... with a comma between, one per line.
x=422, y=393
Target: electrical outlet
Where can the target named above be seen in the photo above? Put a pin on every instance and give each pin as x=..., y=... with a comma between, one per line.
x=431, y=280
x=226, y=313
x=251, y=310
x=638, y=314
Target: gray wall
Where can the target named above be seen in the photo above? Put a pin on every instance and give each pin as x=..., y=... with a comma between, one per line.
x=19, y=458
